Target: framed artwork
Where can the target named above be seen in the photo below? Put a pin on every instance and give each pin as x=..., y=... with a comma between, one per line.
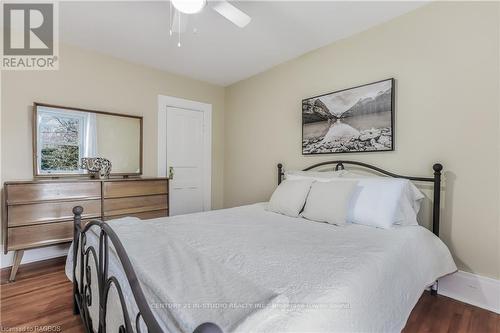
x=353, y=120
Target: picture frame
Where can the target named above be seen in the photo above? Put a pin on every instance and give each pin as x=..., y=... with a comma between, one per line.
x=353, y=120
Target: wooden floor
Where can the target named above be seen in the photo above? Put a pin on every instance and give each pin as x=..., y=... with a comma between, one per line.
x=41, y=298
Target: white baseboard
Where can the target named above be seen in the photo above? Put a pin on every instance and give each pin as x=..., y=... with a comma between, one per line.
x=35, y=255
x=472, y=289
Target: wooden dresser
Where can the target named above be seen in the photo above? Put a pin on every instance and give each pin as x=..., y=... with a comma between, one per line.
x=39, y=213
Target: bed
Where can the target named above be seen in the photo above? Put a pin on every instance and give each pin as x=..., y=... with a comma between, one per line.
x=247, y=269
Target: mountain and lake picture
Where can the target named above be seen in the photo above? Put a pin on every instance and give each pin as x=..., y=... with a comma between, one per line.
x=357, y=119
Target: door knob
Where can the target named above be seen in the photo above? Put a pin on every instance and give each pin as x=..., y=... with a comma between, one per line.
x=171, y=173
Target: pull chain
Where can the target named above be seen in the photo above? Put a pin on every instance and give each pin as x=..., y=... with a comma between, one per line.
x=179, y=43
x=170, y=19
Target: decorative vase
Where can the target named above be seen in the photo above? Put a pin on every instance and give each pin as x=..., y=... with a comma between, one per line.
x=98, y=167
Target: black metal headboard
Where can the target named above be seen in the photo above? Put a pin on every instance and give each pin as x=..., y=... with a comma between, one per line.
x=436, y=181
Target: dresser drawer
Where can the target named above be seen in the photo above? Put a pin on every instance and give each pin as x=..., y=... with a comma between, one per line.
x=131, y=205
x=143, y=216
x=39, y=235
x=26, y=193
x=130, y=188
x=51, y=212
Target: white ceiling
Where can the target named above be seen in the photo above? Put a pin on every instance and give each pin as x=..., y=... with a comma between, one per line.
x=219, y=52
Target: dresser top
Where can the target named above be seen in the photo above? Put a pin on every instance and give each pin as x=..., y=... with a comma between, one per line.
x=81, y=180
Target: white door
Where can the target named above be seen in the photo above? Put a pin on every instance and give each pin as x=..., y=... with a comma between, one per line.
x=185, y=152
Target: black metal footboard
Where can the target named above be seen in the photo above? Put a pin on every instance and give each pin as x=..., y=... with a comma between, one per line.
x=93, y=263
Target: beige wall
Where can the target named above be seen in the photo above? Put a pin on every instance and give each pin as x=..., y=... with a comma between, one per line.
x=89, y=80
x=445, y=59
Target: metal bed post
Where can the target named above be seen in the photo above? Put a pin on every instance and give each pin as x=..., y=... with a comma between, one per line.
x=436, y=211
x=77, y=211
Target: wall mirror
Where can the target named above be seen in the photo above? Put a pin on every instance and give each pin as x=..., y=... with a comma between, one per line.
x=62, y=136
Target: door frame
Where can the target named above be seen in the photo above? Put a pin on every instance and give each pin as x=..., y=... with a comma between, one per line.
x=168, y=101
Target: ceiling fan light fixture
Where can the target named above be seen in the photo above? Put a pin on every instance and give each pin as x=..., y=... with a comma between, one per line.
x=189, y=6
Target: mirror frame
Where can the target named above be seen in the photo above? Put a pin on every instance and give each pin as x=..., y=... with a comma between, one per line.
x=67, y=175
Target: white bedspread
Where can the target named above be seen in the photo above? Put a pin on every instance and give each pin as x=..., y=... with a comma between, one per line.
x=256, y=271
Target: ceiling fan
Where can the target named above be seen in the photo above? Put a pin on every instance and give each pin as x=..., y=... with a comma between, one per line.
x=188, y=7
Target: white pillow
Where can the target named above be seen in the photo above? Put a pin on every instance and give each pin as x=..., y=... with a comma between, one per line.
x=319, y=176
x=377, y=202
x=329, y=201
x=290, y=196
x=409, y=205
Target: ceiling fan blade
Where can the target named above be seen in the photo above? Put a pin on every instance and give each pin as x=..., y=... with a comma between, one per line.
x=232, y=13
x=179, y=22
